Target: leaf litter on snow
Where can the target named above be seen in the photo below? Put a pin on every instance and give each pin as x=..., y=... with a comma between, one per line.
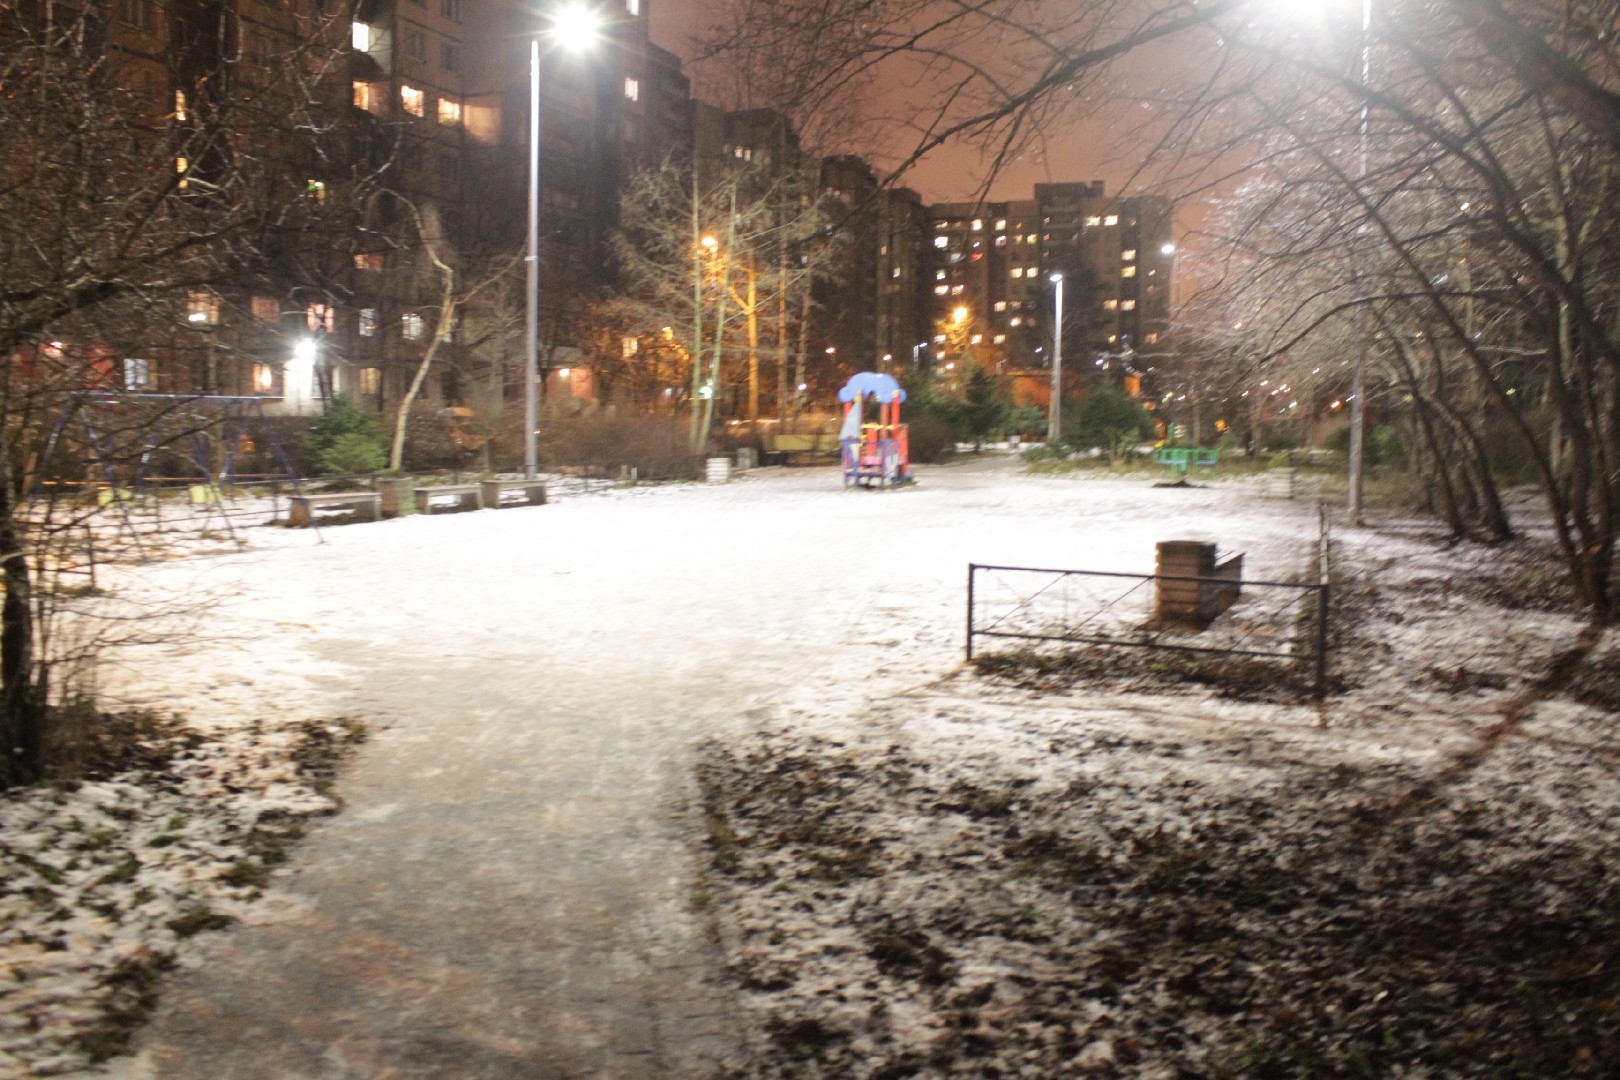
x=1093, y=871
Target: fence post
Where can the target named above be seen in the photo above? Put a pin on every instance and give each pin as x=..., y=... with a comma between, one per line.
x=971, y=569
x=1323, y=591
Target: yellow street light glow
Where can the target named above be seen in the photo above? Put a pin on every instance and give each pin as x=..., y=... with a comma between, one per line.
x=959, y=315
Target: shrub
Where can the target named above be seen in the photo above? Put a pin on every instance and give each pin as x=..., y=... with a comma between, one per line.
x=1382, y=445
x=932, y=439
x=655, y=446
x=345, y=439
x=1108, y=419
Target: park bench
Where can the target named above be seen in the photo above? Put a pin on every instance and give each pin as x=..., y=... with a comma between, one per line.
x=496, y=492
x=1179, y=459
x=448, y=498
x=333, y=508
x=784, y=448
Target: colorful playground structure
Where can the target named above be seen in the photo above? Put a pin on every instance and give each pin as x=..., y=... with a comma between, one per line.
x=874, y=455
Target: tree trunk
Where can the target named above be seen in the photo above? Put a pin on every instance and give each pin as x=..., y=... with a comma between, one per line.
x=22, y=710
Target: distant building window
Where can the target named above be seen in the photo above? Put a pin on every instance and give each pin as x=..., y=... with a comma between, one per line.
x=414, y=100
x=1015, y=321
x=449, y=112
x=1018, y=271
x=266, y=308
x=1152, y=339
x=896, y=271
x=978, y=223
x=1030, y=239
x=369, y=260
x=956, y=290
x=1093, y=220
x=416, y=45
x=1127, y=305
x=1001, y=305
x=180, y=110
x=976, y=339
x=321, y=317
x=942, y=241
x=1110, y=305
x=360, y=36
x=450, y=9
x=999, y=339
x=370, y=380
x=1001, y=241
x=1111, y=219
x=264, y=378
x=368, y=322
x=939, y=275
x=1128, y=255
x=1129, y=271
x=365, y=95
x=449, y=56
x=1001, y=224
x=629, y=345
x=137, y=373
x=202, y=308
x=941, y=290
x=632, y=89
x=632, y=7
x=410, y=325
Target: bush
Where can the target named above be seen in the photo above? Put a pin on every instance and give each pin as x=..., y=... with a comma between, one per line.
x=932, y=439
x=655, y=446
x=344, y=439
x=1107, y=419
x=1382, y=445
x=1026, y=421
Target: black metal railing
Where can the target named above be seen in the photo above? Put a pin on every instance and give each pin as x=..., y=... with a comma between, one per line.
x=1284, y=621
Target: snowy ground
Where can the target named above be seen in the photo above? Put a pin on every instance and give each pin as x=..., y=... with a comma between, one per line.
x=915, y=869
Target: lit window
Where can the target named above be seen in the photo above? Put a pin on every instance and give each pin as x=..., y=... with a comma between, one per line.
x=939, y=275
x=360, y=36
x=266, y=308
x=202, y=308
x=1127, y=305
x=1001, y=305
x=181, y=167
x=414, y=100
x=1128, y=255
x=365, y=95
x=1018, y=271
x=941, y=290
x=1001, y=224
x=264, y=378
x=633, y=7
x=1111, y=219
x=1030, y=239
x=977, y=224
x=370, y=380
x=1129, y=271
x=895, y=271
x=321, y=317
x=368, y=322
x=180, y=111
x=1152, y=339
x=629, y=345
x=137, y=373
x=1001, y=241
x=370, y=260
x=999, y=339
x=939, y=339
x=1015, y=321
x=956, y=290
x=410, y=326
x=976, y=339
x=632, y=89
x=1093, y=220
x=449, y=112
x=941, y=241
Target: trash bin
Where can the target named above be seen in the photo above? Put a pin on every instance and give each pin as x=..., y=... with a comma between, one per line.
x=719, y=470
x=745, y=458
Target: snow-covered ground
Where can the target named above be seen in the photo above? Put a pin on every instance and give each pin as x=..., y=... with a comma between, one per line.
x=899, y=850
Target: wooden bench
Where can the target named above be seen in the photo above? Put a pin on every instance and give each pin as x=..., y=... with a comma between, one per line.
x=333, y=508
x=786, y=447
x=495, y=493
x=448, y=498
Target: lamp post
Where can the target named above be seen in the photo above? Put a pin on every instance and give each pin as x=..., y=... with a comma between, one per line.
x=572, y=26
x=1054, y=424
x=1358, y=375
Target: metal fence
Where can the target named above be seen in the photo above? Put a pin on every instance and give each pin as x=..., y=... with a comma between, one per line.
x=1281, y=621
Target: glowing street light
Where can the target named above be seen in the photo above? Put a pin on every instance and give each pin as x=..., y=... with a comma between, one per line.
x=572, y=27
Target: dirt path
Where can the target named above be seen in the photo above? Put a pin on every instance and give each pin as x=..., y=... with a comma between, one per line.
x=509, y=892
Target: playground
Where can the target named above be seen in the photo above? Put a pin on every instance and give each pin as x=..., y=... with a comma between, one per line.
x=519, y=882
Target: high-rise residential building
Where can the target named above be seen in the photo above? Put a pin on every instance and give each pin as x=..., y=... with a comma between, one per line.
x=992, y=263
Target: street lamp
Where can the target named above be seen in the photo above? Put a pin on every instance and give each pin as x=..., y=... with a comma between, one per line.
x=572, y=27
x=1054, y=424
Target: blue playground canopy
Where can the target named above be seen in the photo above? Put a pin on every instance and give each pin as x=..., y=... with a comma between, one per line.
x=871, y=383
